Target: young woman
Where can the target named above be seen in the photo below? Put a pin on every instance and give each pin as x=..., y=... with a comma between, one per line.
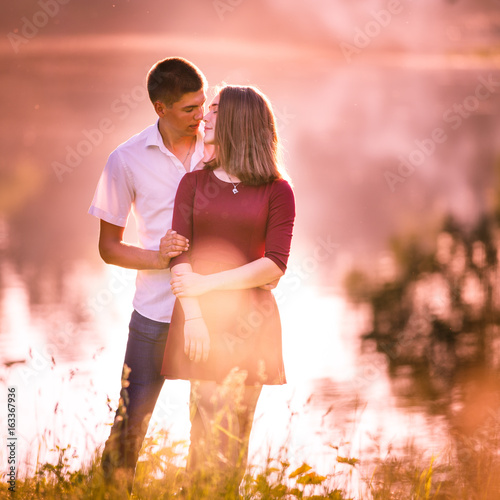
x=238, y=214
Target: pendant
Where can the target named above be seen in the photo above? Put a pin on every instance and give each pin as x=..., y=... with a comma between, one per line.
x=235, y=190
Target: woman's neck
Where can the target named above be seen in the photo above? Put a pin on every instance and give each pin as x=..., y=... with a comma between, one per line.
x=224, y=176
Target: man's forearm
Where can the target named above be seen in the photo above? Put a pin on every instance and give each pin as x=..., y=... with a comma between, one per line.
x=132, y=257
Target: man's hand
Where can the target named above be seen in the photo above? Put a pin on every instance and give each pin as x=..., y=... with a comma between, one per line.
x=196, y=339
x=171, y=245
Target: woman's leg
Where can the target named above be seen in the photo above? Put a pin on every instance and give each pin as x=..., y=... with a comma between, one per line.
x=201, y=415
x=245, y=418
x=221, y=422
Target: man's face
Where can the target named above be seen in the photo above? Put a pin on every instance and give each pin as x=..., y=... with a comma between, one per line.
x=185, y=115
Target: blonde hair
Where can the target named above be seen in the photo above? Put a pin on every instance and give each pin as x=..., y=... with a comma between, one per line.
x=246, y=137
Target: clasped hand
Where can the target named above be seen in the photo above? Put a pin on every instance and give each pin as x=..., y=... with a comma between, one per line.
x=172, y=245
x=188, y=284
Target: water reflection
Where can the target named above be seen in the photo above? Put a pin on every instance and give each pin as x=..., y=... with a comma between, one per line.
x=428, y=366
x=436, y=319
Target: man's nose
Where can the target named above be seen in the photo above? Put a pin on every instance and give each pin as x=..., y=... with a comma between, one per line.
x=199, y=114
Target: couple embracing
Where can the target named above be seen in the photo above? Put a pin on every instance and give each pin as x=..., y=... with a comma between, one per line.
x=214, y=215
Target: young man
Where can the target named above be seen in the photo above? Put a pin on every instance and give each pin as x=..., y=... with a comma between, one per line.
x=142, y=175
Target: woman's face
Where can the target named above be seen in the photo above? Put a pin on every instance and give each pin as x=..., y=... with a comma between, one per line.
x=210, y=118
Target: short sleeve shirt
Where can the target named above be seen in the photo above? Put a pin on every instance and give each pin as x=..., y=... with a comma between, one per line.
x=141, y=176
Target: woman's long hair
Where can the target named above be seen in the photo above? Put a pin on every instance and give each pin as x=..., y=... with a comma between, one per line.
x=246, y=137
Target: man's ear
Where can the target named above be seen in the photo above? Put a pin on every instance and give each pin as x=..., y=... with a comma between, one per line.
x=160, y=108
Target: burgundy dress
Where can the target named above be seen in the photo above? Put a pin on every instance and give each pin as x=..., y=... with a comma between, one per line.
x=227, y=230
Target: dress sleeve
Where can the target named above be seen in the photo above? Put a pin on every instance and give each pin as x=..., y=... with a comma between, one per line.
x=182, y=220
x=280, y=224
x=114, y=195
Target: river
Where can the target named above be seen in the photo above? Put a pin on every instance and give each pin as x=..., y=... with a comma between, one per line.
x=389, y=145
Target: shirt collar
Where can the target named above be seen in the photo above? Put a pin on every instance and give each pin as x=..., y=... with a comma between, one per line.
x=154, y=139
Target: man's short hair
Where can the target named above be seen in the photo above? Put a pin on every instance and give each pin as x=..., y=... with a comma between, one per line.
x=168, y=80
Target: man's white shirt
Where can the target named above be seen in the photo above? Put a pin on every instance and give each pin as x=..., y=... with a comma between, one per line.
x=141, y=176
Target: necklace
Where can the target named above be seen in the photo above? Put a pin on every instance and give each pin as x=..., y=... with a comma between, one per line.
x=235, y=189
x=189, y=151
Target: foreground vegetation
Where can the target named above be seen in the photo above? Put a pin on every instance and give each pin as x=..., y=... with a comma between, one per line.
x=469, y=472
x=159, y=477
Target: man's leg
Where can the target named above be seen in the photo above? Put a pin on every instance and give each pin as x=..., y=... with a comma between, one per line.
x=144, y=356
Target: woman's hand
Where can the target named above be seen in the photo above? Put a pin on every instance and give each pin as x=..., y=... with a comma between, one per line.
x=188, y=284
x=196, y=339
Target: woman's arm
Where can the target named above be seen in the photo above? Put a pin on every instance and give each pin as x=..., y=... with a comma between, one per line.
x=254, y=274
x=263, y=271
x=196, y=336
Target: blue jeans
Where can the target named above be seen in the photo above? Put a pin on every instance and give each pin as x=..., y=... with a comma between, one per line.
x=144, y=357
